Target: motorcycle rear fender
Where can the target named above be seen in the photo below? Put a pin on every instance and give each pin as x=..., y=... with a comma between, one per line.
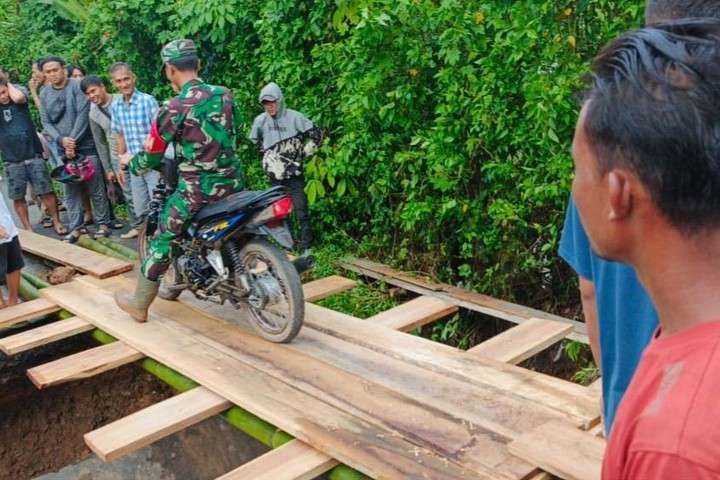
x=280, y=233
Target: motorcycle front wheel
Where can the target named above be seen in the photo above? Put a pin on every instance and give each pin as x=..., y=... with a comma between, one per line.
x=168, y=280
x=276, y=301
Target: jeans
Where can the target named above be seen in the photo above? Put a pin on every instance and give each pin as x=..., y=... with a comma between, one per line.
x=141, y=187
x=98, y=197
x=296, y=188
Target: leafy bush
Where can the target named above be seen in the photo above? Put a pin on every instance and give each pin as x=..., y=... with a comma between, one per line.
x=449, y=123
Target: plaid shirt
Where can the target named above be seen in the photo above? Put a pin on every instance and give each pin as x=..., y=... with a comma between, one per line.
x=133, y=119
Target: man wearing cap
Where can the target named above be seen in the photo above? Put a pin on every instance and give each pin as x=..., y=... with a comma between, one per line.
x=202, y=122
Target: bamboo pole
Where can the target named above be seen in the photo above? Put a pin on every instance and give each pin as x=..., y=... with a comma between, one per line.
x=121, y=249
x=262, y=431
x=98, y=247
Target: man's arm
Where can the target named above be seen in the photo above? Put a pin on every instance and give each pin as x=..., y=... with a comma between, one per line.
x=82, y=120
x=256, y=136
x=17, y=95
x=169, y=119
x=589, y=306
x=101, y=145
x=49, y=127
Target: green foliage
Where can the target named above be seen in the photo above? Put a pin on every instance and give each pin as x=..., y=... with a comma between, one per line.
x=448, y=123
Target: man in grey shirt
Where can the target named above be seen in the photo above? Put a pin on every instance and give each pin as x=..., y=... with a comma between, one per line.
x=105, y=142
x=64, y=115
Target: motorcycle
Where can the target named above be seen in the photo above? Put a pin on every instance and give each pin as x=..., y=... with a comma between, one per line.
x=225, y=255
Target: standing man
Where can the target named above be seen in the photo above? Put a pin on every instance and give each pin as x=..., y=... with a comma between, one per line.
x=647, y=186
x=610, y=291
x=202, y=122
x=64, y=113
x=285, y=138
x=22, y=154
x=94, y=88
x=131, y=115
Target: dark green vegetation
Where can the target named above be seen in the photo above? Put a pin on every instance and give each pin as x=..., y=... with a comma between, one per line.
x=449, y=123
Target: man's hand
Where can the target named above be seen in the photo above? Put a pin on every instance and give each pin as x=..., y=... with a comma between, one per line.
x=125, y=159
x=121, y=177
x=70, y=152
x=68, y=142
x=110, y=176
x=3, y=233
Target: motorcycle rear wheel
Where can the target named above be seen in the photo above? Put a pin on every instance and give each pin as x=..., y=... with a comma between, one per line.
x=269, y=268
x=168, y=280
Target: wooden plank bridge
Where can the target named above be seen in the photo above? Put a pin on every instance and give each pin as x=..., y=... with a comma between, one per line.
x=359, y=392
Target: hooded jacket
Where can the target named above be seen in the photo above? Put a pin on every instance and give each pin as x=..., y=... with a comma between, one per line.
x=284, y=140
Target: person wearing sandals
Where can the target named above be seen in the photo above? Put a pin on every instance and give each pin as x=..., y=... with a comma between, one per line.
x=64, y=113
x=94, y=88
x=22, y=153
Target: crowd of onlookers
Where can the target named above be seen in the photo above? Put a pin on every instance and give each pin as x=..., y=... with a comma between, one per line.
x=86, y=127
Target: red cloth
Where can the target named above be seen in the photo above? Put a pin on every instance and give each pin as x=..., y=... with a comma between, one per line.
x=668, y=423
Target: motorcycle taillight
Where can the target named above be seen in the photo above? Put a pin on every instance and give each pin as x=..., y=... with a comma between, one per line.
x=282, y=208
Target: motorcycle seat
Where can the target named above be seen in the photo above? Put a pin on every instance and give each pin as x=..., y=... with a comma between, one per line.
x=237, y=201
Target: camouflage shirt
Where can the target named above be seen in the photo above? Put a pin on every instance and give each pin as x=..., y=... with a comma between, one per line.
x=202, y=122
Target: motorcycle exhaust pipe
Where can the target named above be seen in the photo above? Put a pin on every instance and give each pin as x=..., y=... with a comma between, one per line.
x=303, y=264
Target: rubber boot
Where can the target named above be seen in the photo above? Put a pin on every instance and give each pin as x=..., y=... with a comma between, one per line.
x=137, y=305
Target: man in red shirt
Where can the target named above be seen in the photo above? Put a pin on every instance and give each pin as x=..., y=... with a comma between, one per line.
x=647, y=186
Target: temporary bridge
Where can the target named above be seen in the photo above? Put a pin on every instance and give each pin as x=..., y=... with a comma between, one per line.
x=346, y=392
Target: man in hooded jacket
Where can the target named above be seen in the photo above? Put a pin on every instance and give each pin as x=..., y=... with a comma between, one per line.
x=285, y=138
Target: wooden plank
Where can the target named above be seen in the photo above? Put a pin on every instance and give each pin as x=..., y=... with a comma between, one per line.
x=142, y=428
x=326, y=287
x=415, y=313
x=523, y=341
x=458, y=296
x=568, y=398
x=293, y=461
x=26, y=311
x=84, y=364
x=79, y=258
x=376, y=451
x=49, y=333
x=562, y=450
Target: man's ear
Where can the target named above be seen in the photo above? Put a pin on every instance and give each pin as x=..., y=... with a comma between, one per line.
x=619, y=194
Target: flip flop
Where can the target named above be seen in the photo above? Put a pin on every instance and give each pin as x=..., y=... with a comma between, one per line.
x=47, y=222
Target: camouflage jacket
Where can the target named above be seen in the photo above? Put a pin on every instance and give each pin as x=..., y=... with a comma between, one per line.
x=202, y=122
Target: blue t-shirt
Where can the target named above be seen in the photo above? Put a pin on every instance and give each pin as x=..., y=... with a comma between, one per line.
x=626, y=315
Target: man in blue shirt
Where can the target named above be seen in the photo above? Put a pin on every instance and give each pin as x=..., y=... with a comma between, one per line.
x=610, y=291
x=131, y=117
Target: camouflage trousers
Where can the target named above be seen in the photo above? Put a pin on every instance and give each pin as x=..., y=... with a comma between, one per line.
x=192, y=193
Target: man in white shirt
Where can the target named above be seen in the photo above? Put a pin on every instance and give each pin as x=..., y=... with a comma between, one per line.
x=11, y=258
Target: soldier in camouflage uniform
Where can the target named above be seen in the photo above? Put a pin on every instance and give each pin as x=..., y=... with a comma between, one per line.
x=201, y=122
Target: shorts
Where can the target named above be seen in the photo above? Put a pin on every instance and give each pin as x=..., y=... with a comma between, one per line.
x=11, y=257
x=33, y=171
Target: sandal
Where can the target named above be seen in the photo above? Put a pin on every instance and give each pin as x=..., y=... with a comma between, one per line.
x=72, y=237
x=47, y=222
x=116, y=224
x=103, y=231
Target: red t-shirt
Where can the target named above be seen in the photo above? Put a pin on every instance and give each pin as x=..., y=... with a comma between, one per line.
x=668, y=423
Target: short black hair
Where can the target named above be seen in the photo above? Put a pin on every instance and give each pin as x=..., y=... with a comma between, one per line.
x=653, y=109
x=49, y=59
x=120, y=66
x=668, y=10
x=70, y=68
x=189, y=63
x=91, y=81
x=4, y=82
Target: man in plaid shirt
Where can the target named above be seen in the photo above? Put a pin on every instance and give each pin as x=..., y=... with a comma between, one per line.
x=131, y=117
